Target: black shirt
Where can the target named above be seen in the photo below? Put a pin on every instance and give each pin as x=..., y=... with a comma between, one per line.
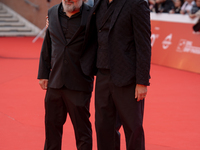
x=69, y=25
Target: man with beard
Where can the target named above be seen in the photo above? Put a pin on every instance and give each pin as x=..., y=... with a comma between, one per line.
x=66, y=72
x=123, y=60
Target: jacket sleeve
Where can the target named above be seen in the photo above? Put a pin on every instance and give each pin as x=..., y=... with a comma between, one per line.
x=142, y=35
x=45, y=58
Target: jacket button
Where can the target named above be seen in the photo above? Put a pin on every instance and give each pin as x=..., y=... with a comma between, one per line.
x=65, y=61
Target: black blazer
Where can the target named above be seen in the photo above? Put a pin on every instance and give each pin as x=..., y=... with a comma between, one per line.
x=63, y=63
x=128, y=41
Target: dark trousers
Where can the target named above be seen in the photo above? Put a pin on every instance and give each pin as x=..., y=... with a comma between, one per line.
x=59, y=102
x=110, y=100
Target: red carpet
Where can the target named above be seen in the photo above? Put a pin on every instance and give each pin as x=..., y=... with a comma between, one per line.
x=172, y=107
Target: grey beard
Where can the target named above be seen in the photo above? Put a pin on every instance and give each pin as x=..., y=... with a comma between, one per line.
x=71, y=8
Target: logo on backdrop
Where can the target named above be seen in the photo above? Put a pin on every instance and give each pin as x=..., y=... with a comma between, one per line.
x=153, y=38
x=187, y=47
x=167, y=41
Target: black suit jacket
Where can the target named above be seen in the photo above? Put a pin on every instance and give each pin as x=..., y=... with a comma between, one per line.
x=66, y=64
x=128, y=41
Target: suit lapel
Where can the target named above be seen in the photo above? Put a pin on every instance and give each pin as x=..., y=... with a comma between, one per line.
x=58, y=25
x=84, y=16
x=92, y=14
x=96, y=4
x=93, y=11
x=91, y=21
x=85, y=13
x=108, y=13
x=117, y=10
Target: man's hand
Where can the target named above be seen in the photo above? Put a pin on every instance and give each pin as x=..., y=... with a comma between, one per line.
x=192, y=16
x=43, y=83
x=140, y=91
x=47, y=22
x=182, y=12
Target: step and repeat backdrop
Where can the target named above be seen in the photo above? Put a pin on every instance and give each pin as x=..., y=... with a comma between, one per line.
x=174, y=44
